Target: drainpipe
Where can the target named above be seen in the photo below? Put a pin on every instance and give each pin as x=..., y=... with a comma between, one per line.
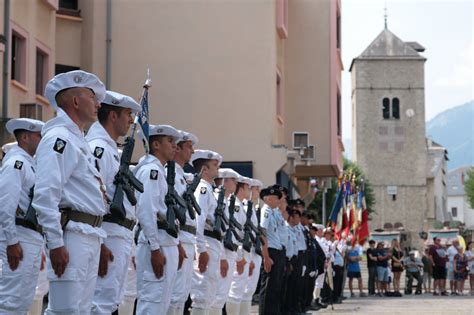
x=108, y=47
x=6, y=57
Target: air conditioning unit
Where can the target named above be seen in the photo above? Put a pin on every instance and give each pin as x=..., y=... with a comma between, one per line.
x=309, y=153
x=300, y=140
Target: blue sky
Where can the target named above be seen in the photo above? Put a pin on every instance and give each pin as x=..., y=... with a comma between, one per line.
x=443, y=27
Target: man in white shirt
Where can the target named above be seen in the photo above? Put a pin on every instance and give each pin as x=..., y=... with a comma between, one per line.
x=20, y=239
x=69, y=196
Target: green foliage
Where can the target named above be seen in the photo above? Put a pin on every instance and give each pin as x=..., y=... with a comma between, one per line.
x=350, y=168
x=469, y=187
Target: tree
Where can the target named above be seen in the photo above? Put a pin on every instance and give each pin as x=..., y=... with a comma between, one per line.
x=469, y=187
x=352, y=168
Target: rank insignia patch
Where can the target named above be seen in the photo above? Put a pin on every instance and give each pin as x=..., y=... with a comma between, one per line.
x=203, y=190
x=236, y=209
x=98, y=152
x=18, y=165
x=266, y=214
x=59, y=145
x=154, y=174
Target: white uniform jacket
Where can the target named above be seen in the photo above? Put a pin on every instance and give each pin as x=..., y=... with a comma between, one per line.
x=66, y=178
x=106, y=153
x=180, y=185
x=17, y=176
x=208, y=203
x=151, y=203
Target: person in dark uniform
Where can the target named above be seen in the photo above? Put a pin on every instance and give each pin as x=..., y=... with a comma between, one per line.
x=272, y=252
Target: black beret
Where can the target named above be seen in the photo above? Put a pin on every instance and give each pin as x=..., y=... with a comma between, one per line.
x=270, y=191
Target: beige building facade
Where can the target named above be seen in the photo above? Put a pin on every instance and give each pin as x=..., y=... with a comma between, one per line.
x=243, y=75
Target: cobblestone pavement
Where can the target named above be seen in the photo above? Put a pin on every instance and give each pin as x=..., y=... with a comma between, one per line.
x=406, y=305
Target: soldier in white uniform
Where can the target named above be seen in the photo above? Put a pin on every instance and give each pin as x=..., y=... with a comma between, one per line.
x=187, y=233
x=240, y=276
x=256, y=258
x=157, y=253
x=20, y=240
x=232, y=254
x=208, y=245
x=69, y=197
x=320, y=278
x=115, y=119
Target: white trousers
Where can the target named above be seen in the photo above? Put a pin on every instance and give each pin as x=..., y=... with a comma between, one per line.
x=223, y=284
x=320, y=281
x=204, y=285
x=239, y=282
x=130, y=294
x=72, y=293
x=253, y=280
x=154, y=295
x=17, y=288
x=110, y=289
x=184, y=280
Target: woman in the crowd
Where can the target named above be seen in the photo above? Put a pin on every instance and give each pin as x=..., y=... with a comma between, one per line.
x=396, y=255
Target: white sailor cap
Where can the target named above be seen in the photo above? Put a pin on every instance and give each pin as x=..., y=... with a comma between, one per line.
x=256, y=183
x=27, y=124
x=120, y=100
x=74, y=79
x=245, y=180
x=187, y=136
x=164, y=130
x=7, y=146
x=207, y=155
x=319, y=226
x=228, y=173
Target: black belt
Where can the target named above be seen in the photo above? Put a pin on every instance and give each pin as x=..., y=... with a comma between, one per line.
x=213, y=234
x=188, y=228
x=68, y=214
x=126, y=223
x=29, y=225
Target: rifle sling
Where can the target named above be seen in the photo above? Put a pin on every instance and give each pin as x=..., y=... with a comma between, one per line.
x=126, y=223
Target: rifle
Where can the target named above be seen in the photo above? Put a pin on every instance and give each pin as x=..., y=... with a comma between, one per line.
x=233, y=225
x=220, y=220
x=30, y=215
x=258, y=237
x=188, y=196
x=176, y=205
x=125, y=181
x=249, y=238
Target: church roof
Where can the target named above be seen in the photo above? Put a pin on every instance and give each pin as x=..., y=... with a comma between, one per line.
x=388, y=45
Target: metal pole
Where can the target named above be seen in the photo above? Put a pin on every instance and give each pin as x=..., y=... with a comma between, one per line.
x=324, y=207
x=6, y=57
x=108, y=45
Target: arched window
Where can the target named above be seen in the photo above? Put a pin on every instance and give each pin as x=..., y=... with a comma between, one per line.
x=386, y=108
x=395, y=108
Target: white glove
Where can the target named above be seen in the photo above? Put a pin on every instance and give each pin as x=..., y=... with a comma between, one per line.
x=312, y=274
x=303, y=270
